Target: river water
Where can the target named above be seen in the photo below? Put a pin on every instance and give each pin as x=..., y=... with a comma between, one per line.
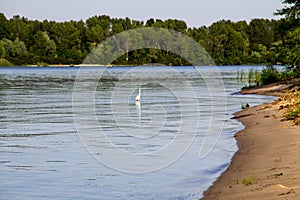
x=55, y=145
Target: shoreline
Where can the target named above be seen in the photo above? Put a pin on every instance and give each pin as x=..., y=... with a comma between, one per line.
x=267, y=164
x=132, y=65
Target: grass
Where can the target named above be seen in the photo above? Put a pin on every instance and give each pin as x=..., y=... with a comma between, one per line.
x=240, y=76
x=247, y=181
x=257, y=78
x=252, y=79
x=292, y=115
x=268, y=75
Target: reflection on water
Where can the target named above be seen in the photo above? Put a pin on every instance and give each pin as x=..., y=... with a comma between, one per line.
x=41, y=152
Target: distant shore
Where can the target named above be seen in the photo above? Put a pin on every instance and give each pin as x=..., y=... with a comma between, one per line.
x=85, y=65
x=267, y=164
x=71, y=65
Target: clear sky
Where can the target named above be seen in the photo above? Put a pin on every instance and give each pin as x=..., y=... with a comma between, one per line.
x=195, y=12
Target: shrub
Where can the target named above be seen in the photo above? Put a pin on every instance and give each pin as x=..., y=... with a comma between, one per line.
x=295, y=72
x=42, y=64
x=5, y=63
x=292, y=114
x=269, y=75
x=249, y=180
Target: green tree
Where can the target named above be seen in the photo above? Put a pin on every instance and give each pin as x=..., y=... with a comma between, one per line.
x=292, y=50
x=3, y=26
x=200, y=35
x=150, y=22
x=21, y=52
x=69, y=38
x=43, y=46
x=291, y=10
x=289, y=50
x=15, y=52
x=17, y=27
x=226, y=45
x=260, y=32
x=120, y=25
x=2, y=49
x=98, y=28
x=177, y=25
x=10, y=50
x=20, y=47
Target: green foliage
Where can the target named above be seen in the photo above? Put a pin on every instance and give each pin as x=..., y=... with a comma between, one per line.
x=293, y=114
x=238, y=76
x=260, y=41
x=43, y=48
x=249, y=180
x=290, y=72
x=250, y=77
x=292, y=49
x=2, y=49
x=257, y=78
x=260, y=31
x=253, y=79
x=269, y=75
x=3, y=26
x=20, y=48
x=291, y=11
x=5, y=63
x=42, y=64
x=10, y=50
x=226, y=44
x=241, y=76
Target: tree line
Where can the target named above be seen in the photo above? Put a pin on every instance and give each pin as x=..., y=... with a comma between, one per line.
x=261, y=41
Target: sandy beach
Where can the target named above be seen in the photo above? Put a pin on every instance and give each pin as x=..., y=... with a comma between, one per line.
x=267, y=164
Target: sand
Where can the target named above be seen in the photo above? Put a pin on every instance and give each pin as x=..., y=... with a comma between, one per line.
x=267, y=164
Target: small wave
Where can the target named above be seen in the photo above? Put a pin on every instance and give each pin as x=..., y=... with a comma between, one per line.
x=21, y=167
x=5, y=161
x=217, y=169
x=20, y=135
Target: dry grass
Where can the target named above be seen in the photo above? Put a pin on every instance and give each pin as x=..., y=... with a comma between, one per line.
x=290, y=103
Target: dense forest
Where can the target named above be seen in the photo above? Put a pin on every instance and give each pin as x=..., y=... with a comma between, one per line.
x=261, y=41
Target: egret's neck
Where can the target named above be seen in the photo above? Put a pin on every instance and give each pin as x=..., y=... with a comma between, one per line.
x=139, y=91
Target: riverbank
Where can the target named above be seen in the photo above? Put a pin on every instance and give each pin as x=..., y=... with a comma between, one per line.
x=267, y=164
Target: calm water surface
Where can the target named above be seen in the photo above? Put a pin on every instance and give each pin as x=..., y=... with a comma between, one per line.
x=42, y=156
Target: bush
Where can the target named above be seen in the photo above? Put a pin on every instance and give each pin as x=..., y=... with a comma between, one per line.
x=295, y=72
x=249, y=181
x=5, y=63
x=292, y=114
x=269, y=75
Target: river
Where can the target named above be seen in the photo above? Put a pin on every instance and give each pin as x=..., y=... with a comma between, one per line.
x=55, y=145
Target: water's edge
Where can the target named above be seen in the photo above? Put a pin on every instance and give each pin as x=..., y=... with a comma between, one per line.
x=243, y=127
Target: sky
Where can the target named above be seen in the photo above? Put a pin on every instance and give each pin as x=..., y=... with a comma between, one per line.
x=195, y=12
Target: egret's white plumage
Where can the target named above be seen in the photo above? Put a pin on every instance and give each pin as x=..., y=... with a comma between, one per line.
x=138, y=97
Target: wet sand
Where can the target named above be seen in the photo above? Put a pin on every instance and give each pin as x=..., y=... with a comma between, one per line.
x=267, y=164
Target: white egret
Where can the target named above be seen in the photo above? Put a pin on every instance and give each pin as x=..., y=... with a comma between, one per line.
x=138, y=97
